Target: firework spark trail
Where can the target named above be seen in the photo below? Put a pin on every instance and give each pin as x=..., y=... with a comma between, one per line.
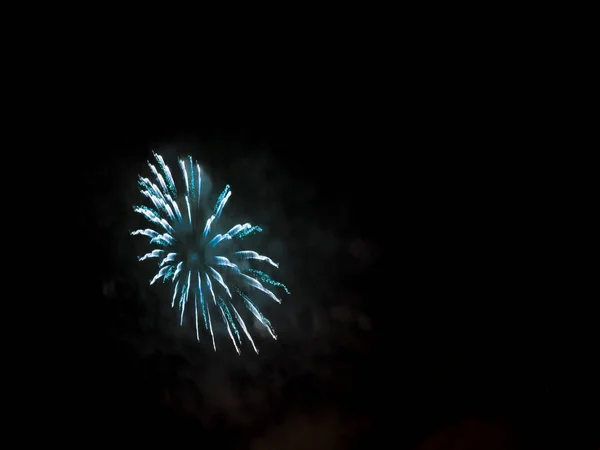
x=187, y=253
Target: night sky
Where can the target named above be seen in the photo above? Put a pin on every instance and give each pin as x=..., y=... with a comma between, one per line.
x=410, y=240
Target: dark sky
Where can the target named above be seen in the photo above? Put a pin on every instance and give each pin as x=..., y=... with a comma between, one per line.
x=408, y=236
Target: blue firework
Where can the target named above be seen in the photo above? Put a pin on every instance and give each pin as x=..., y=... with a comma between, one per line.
x=208, y=273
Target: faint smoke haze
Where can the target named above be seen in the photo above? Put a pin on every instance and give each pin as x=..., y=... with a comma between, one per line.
x=316, y=254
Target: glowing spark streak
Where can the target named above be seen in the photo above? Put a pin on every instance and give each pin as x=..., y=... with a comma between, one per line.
x=184, y=295
x=207, y=227
x=253, y=255
x=167, y=172
x=212, y=294
x=199, y=183
x=175, y=291
x=262, y=319
x=165, y=239
x=178, y=270
x=175, y=208
x=222, y=261
x=153, y=254
x=169, y=258
x=243, y=325
x=191, y=189
x=187, y=201
x=221, y=202
x=160, y=274
x=217, y=276
x=196, y=316
x=229, y=330
x=210, y=326
x=159, y=177
x=154, y=218
x=256, y=284
x=202, y=303
x=185, y=176
x=147, y=232
x=229, y=235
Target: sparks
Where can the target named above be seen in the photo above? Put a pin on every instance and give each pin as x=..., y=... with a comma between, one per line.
x=200, y=263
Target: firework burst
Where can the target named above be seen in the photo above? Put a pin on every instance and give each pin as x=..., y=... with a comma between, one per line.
x=208, y=272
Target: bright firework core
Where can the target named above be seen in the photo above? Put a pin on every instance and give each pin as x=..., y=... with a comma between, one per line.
x=195, y=258
x=193, y=249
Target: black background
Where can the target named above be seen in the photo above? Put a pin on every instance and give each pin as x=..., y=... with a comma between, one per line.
x=413, y=231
